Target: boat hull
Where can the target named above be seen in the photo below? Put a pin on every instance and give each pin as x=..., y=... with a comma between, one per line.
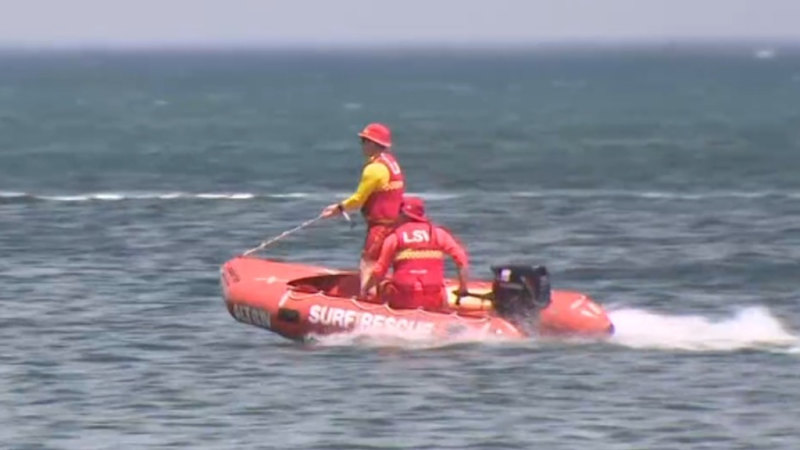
x=302, y=301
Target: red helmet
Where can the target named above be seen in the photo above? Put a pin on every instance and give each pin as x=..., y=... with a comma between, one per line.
x=413, y=208
x=377, y=133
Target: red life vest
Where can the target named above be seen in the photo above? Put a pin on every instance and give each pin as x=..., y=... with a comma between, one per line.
x=419, y=261
x=383, y=205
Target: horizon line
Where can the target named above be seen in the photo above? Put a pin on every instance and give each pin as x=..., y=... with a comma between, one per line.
x=544, y=44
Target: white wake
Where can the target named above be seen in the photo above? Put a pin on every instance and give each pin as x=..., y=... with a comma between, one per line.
x=751, y=327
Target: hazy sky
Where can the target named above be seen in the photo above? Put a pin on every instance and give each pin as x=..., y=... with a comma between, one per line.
x=272, y=22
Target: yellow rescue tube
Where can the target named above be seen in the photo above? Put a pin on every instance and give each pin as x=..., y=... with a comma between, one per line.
x=469, y=303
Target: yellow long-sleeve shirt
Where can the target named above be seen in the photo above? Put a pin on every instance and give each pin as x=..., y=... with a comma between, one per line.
x=374, y=177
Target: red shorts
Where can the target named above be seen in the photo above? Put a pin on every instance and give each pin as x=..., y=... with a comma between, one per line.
x=399, y=297
x=376, y=234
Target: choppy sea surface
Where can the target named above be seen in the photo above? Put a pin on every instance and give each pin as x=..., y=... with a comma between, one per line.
x=663, y=184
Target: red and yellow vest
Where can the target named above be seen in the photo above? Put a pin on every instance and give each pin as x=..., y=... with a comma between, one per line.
x=383, y=205
x=418, y=261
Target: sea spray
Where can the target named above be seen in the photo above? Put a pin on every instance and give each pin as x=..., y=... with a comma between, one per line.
x=748, y=327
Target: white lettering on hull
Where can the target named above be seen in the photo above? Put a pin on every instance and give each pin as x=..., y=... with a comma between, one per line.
x=253, y=316
x=349, y=319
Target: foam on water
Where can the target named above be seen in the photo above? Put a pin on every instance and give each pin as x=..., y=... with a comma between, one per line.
x=658, y=195
x=765, y=53
x=22, y=197
x=12, y=194
x=438, y=196
x=228, y=196
x=406, y=340
x=751, y=327
x=15, y=196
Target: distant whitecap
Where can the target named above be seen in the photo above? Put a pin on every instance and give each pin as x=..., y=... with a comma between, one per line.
x=218, y=196
x=766, y=53
x=241, y=196
x=65, y=198
x=107, y=196
x=291, y=195
x=12, y=194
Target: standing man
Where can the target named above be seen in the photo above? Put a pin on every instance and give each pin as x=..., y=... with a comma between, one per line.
x=379, y=193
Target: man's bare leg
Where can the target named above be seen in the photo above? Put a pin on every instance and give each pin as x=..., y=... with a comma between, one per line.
x=365, y=268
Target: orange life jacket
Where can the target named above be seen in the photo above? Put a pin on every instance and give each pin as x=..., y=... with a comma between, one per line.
x=419, y=261
x=383, y=205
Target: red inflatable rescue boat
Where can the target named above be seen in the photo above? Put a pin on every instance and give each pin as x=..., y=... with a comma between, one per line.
x=301, y=302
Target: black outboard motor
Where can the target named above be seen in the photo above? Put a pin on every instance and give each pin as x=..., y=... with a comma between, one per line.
x=520, y=291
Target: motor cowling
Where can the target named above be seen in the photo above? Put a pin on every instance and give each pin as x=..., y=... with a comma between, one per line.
x=520, y=291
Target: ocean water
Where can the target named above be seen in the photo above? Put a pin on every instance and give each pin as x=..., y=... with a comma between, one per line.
x=663, y=183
